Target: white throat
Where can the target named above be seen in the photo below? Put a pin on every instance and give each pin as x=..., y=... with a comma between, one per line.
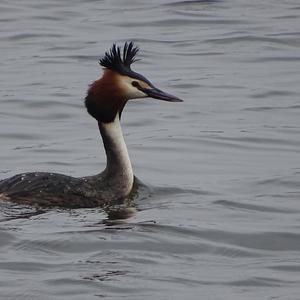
x=118, y=172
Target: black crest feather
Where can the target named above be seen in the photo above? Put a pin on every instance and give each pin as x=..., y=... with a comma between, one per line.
x=115, y=60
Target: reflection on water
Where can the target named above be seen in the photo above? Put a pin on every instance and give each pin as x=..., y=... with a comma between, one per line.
x=218, y=215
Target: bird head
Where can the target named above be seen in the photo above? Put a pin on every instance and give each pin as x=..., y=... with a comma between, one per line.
x=107, y=96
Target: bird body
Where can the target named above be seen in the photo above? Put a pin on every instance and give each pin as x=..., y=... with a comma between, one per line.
x=105, y=102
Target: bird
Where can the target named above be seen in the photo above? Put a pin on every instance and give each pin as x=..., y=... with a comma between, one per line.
x=105, y=101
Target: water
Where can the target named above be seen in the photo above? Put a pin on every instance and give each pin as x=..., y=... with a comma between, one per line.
x=220, y=215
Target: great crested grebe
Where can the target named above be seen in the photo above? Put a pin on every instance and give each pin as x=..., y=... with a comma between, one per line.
x=105, y=100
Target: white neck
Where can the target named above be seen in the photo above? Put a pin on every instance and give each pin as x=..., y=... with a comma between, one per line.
x=118, y=172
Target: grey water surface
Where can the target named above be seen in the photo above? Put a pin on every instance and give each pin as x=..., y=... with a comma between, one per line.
x=219, y=215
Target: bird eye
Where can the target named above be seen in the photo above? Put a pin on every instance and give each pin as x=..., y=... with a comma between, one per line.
x=135, y=84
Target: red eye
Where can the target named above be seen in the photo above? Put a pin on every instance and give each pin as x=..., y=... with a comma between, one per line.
x=135, y=84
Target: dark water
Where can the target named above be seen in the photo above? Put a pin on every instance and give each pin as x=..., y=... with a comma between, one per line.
x=221, y=216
